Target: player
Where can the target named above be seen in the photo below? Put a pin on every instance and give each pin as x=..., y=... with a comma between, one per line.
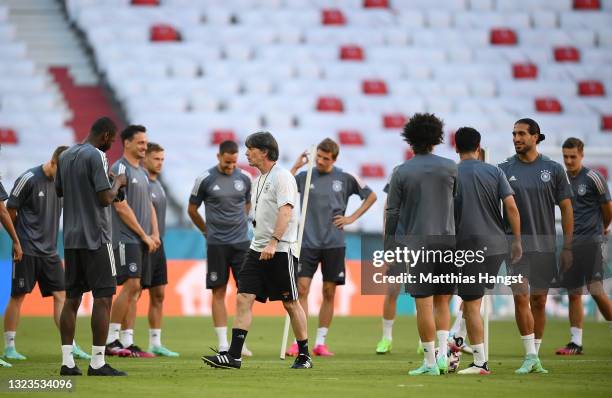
x=323, y=240
x=135, y=235
x=7, y=223
x=592, y=214
x=479, y=226
x=420, y=215
x=82, y=180
x=35, y=210
x=539, y=184
x=269, y=271
x=153, y=162
x=225, y=191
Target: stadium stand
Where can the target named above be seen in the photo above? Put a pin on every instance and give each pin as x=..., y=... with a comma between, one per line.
x=197, y=72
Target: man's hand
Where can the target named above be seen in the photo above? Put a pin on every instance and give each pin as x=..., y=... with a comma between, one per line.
x=516, y=251
x=17, y=251
x=269, y=250
x=342, y=221
x=120, y=179
x=301, y=161
x=147, y=240
x=567, y=258
x=156, y=240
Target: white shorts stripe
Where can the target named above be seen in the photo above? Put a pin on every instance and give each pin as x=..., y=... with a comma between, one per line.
x=121, y=254
x=111, y=257
x=294, y=291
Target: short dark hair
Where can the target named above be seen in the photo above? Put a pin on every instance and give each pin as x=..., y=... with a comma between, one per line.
x=574, y=142
x=154, y=147
x=103, y=125
x=330, y=146
x=264, y=141
x=534, y=128
x=228, y=146
x=58, y=151
x=130, y=131
x=423, y=131
x=467, y=139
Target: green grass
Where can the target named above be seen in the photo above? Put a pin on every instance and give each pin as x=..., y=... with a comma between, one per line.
x=355, y=371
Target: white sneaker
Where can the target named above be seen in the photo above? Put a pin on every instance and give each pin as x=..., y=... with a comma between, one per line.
x=475, y=370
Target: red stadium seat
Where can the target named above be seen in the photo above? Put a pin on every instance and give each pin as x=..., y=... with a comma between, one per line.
x=332, y=16
x=606, y=122
x=372, y=170
x=374, y=87
x=220, y=135
x=525, y=71
x=145, y=2
x=164, y=32
x=376, y=3
x=503, y=36
x=351, y=53
x=8, y=136
x=409, y=154
x=253, y=171
x=587, y=5
x=603, y=170
x=451, y=139
x=591, y=88
x=548, y=105
x=350, y=137
x=394, y=121
x=330, y=104
x=567, y=54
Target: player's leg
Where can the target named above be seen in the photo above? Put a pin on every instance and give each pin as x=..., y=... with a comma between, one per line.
x=219, y=316
x=441, y=304
x=389, y=311
x=126, y=335
x=100, y=273
x=237, y=256
x=217, y=277
x=426, y=326
x=22, y=283
x=307, y=266
x=11, y=321
x=475, y=332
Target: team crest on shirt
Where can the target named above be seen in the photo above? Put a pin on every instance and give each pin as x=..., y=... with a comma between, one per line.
x=545, y=175
x=337, y=185
x=213, y=277
x=239, y=185
x=267, y=186
x=582, y=189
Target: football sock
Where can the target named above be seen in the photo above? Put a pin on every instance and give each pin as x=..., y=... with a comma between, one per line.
x=238, y=338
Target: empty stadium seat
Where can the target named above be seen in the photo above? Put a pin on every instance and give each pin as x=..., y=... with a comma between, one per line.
x=351, y=53
x=8, y=136
x=376, y=3
x=372, y=170
x=567, y=54
x=218, y=136
x=394, y=121
x=332, y=16
x=374, y=87
x=330, y=104
x=606, y=122
x=350, y=137
x=591, y=88
x=548, y=105
x=586, y=5
x=503, y=36
x=525, y=71
x=164, y=32
x=145, y=2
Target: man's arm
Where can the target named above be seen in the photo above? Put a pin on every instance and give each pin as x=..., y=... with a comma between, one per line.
x=126, y=214
x=567, y=222
x=12, y=213
x=606, y=211
x=514, y=219
x=301, y=161
x=342, y=221
x=7, y=222
x=154, y=228
x=282, y=221
x=107, y=196
x=197, y=219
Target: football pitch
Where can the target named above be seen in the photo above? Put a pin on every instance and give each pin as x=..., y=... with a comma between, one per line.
x=355, y=371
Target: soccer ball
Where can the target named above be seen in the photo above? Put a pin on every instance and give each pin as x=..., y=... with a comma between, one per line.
x=454, y=357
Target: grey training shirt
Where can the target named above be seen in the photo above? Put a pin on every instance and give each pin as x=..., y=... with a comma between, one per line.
x=138, y=196
x=420, y=202
x=225, y=198
x=328, y=197
x=82, y=171
x=38, y=212
x=538, y=187
x=478, y=216
x=590, y=192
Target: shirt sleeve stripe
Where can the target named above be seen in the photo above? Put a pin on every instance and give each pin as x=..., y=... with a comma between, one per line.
x=598, y=182
x=198, y=182
x=22, y=182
